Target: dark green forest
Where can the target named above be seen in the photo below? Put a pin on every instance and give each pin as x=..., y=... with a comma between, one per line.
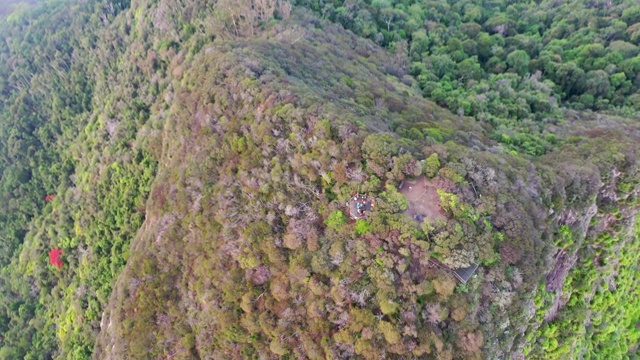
x=512, y=64
x=193, y=161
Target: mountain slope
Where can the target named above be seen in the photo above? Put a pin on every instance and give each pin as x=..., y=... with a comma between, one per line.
x=235, y=259
x=215, y=159
x=222, y=204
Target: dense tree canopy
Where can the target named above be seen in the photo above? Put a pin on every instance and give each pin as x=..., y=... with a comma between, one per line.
x=184, y=166
x=563, y=54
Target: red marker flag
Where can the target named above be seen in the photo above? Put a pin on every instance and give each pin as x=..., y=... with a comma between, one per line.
x=54, y=258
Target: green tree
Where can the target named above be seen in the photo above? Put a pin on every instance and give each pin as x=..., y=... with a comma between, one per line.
x=597, y=83
x=432, y=165
x=627, y=50
x=631, y=15
x=519, y=60
x=469, y=69
x=378, y=150
x=392, y=201
x=441, y=65
x=390, y=333
x=571, y=78
x=336, y=220
x=362, y=227
x=419, y=45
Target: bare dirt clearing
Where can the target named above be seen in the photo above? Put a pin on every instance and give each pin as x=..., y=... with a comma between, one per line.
x=424, y=201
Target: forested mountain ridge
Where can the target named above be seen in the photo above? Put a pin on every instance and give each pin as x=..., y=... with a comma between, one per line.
x=514, y=64
x=213, y=155
x=8, y=7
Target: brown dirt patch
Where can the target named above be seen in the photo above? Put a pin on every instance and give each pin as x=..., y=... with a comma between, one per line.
x=424, y=201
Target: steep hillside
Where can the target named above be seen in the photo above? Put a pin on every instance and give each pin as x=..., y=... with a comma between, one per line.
x=262, y=141
x=195, y=168
x=513, y=64
x=7, y=7
x=245, y=250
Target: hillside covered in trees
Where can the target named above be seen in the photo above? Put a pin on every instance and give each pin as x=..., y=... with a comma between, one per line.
x=176, y=179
